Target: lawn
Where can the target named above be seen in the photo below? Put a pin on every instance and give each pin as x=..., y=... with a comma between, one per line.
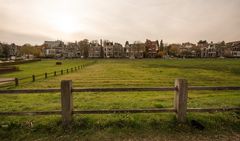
x=126, y=73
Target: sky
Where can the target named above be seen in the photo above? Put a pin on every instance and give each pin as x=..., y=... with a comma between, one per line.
x=173, y=21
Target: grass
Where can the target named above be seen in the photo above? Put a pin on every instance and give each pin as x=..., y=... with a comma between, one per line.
x=41, y=67
x=127, y=73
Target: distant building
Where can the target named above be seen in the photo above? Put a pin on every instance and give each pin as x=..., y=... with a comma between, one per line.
x=137, y=50
x=151, y=48
x=118, y=50
x=233, y=48
x=134, y=51
x=72, y=50
x=202, y=44
x=212, y=51
x=126, y=50
x=108, y=49
x=187, y=50
x=53, y=48
x=94, y=50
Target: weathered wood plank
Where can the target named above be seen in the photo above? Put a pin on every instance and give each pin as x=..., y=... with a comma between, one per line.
x=213, y=109
x=30, y=113
x=180, y=101
x=119, y=111
x=27, y=91
x=214, y=88
x=122, y=89
x=66, y=101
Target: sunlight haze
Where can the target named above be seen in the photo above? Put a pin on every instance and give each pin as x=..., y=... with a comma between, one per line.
x=34, y=21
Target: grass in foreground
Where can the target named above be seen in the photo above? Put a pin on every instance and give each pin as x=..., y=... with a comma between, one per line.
x=130, y=73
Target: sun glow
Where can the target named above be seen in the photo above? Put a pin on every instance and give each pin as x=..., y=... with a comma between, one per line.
x=66, y=24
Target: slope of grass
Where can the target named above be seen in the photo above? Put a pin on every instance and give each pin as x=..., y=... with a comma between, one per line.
x=43, y=66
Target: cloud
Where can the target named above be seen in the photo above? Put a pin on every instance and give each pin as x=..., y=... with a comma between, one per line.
x=121, y=20
x=21, y=38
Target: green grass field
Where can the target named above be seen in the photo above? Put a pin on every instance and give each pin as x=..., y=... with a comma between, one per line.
x=126, y=73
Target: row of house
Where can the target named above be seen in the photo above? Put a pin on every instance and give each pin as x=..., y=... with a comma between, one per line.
x=203, y=49
x=149, y=49
x=108, y=49
x=104, y=49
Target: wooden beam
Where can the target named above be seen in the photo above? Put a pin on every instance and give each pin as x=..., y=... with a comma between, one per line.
x=27, y=91
x=119, y=111
x=16, y=82
x=214, y=88
x=30, y=113
x=227, y=109
x=180, y=101
x=122, y=89
x=66, y=101
x=33, y=78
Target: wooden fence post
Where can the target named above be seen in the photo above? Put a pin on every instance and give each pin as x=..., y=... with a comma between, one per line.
x=16, y=82
x=67, y=101
x=33, y=78
x=55, y=73
x=67, y=70
x=180, y=103
x=45, y=75
x=61, y=72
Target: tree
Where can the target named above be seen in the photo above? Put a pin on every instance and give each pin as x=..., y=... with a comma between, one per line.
x=28, y=50
x=173, y=50
x=197, y=51
x=161, y=46
x=161, y=54
x=84, y=44
x=6, y=51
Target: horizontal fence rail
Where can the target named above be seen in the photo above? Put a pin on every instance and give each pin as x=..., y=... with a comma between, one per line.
x=45, y=75
x=51, y=90
x=122, y=89
x=214, y=88
x=30, y=91
x=181, y=89
x=120, y=111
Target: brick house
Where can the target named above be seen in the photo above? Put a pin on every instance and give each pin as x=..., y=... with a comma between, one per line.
x=151, y=48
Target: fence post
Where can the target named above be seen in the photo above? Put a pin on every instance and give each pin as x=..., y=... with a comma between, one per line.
x=180, y=103
x=55, y=73
x=67, y=102
x=45, y=75
x=61, y=72
x=33, y=78
x=16, y=82
x=67, y=70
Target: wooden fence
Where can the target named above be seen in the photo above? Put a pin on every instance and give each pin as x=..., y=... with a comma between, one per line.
x=181, y=89
x=16, y=81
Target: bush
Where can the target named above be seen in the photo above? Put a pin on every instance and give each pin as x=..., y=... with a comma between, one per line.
x=58, y=63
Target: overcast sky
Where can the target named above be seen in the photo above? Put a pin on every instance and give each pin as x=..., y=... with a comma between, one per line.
x=174, y=21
